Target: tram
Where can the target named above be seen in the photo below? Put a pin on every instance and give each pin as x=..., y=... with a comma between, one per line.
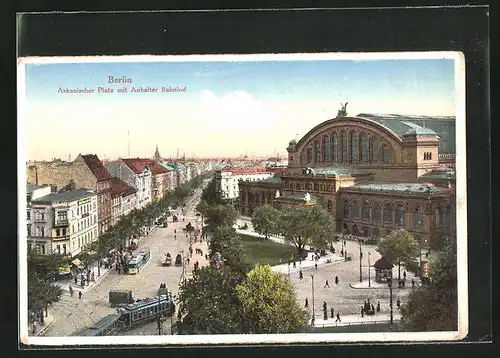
x=132, y=315
x=138, y=261
x=143, y=311
x=107, y=326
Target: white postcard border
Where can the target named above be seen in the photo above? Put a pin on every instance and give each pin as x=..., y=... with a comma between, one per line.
x=461, y=210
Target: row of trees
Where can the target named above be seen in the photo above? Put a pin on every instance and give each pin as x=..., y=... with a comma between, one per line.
x=42, y=270
x=234, y=298
x=136, y=223
x=299, y=225
x=433, y=306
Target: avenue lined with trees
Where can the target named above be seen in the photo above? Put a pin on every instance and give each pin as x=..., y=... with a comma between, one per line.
x=43, y=270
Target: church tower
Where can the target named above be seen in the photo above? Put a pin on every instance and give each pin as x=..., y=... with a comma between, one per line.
x=157, y=157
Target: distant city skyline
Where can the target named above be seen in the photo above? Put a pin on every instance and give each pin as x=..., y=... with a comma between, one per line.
x=222, y=109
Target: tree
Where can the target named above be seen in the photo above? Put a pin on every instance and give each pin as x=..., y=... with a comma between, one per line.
x=434, y=307
x=265, y=220
x=41, y=273
x=209, y=303
x=220, y=215
x=210, y=193
x=270, y=304
x=302, y=225
x=226, y=241
x=399, y=247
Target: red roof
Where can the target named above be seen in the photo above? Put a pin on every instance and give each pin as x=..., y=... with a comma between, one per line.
x=120, y=188
x=157, y=168
x=96, y=167
x=138, y=165
x=241, y=171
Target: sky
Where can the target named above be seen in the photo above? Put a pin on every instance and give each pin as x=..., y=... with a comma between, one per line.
x=228, y=108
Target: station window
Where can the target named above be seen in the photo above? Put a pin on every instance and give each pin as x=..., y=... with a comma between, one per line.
x=428, y=156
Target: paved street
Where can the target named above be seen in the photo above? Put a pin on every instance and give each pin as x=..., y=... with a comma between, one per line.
x=72, y=314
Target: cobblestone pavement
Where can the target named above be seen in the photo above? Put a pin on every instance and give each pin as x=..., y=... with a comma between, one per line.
x=342, y=297
x=72, y=314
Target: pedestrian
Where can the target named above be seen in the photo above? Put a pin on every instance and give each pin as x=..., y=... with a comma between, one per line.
x=362, y=312
x=426, y=255
x=332, y=311
x=92, y=276
x=412, y=283
x=119, y=270
x=372, y=309
x=188, y=260
x=306, y=304
x=338, y=318
x=82, y=283
x=324, y=306
x=325, y=315
x=364, y=306
x=398, y=303
x=294, y=265
x=316, y=266
x=76, y=280
x=71, y=290
x=336, y=280
x=326, y=284
x=342, y=252
x=201, y=252
x=404, y=274
x=378, y=306
x=80, y=295
x=301, y=276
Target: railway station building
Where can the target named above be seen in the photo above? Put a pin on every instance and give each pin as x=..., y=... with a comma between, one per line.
x=373, y=172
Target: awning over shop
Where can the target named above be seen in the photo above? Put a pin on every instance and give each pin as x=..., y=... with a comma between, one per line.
x=77, y=262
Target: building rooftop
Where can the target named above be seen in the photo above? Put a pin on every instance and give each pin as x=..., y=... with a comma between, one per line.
x=442, y=126
x=439, y=174
x=96, y=167
x=138, y=165
x=271, y=180
x=65, y=196
x=336, y=171
x=120, y=188
x=398, y=187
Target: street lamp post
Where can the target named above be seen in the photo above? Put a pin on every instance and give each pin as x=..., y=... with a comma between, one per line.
x=360, y=262
x=312, y=288
x=369, y=279
x=288, y=269
x=389, y=283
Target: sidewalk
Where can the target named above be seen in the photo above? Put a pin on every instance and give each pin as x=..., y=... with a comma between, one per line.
x=47, y=322
x=64, y=284
x=351, y=320
x=378, y=285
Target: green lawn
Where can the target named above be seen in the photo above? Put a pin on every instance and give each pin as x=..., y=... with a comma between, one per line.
x=262, y=251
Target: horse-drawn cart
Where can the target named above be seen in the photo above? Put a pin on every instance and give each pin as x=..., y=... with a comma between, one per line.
x=168, y=260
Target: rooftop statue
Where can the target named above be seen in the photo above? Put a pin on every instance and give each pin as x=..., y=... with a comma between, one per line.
x=343, y=110
x=277, y=194
x=307, y=197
